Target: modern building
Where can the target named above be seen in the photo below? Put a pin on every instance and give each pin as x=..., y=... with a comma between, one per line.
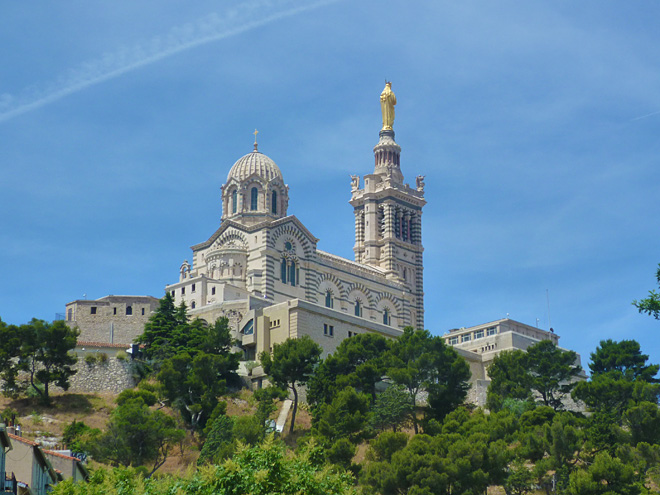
x=481, y=343
x=263, y=270
x=110, y=319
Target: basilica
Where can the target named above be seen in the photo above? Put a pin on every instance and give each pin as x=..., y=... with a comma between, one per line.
x=261, y=268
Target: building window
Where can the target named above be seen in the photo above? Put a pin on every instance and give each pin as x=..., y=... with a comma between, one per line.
x=213, y=291
x=292, y=274
x=248, y=329
x=183, y=290
x=274, y=202
x=193, y=287
x=142, y=311
x=92, y=310
x=283, y=270
x=358, y=308
x=192, y=305
x=172, y=293
x=479, y=334
x=386, y=316
x=114, y=311
x=328, y=299
x=254, y=196
x=234, y=201
x=466, y=338
x=69, y=315
x=453, y=340
x=129, y=310
x=491, y=331
x=328, y=330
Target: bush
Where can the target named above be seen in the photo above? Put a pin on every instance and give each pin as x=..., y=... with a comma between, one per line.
x=122, y=356
x=90, y=359
x=103, y=358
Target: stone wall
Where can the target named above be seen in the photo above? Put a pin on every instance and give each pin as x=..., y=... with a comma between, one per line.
x=113, y=375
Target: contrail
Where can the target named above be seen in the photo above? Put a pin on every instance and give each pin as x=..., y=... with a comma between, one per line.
x=644, y=116
x=213, y=27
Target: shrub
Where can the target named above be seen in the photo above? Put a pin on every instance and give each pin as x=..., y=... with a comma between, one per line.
x=121, y=356
x=90, y=359
x=103, y=358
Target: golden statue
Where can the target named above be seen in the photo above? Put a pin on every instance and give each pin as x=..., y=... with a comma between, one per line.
x=387, y=102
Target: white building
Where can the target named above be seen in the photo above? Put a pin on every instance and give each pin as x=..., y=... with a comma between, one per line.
x=261, y=268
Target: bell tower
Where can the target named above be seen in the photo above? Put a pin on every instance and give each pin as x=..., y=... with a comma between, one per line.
x=388, y=217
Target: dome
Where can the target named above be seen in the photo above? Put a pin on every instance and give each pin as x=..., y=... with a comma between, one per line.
x=255, y=163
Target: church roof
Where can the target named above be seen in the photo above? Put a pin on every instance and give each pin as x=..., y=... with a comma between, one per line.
x=255, y=163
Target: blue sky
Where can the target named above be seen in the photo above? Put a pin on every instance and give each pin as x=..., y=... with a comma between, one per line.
x=535, y=123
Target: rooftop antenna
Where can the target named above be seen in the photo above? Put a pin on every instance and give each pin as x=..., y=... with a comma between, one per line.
x=547, y=299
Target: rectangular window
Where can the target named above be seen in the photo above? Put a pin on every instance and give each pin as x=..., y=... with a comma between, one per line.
x=292, y=274
x=193, y=288
x=142, y=311
x=332, y=331
x=453, y=340
x=479, y=334
x=466, y=338
x=325, y=329
x=183, y=290
x=328, y=330
x=491, y=331
x=114, y=311
x=172, y=293
x=213, y=291
x=92, y=310
x=129, y=310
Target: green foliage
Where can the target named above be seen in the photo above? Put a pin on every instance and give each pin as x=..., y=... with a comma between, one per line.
x=135, y=435
x=258, y=470
x=607, y=476
x=392, y=409
x=418, y=361
x=292, y=362
x=383, y=447
x=198, y=362
x=544, y=370
x=121, y=356
x=345, y=417
x=520, y=480
x=651, y=304
x=147, y=396
x=358, y=362
x=219, y=444
x=45, y=354
x=509, y=379
x=90, y=359
x=10, y=350
x=625, y=358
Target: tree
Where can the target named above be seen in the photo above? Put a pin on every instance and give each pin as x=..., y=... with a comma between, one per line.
x=46, y=354
x=292, y=363
x=392, y=409
x=419, y=361
x=552, y=371
x=624, y=357
x=160, y=331
x=345, y=417
x=509, y=379
x=264, y=469
x=608, y=476
x=651, y=304
x=10, y=351
x=136, y=435
x=358, y=362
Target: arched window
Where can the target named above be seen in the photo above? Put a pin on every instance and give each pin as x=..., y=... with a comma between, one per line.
x=192, y=305
x=358, y=308
x=254, y=196
x=283, y=271
x=328, y=299
x=274, y=202
x=234, y=201
x=292, y=273
x=386, y=316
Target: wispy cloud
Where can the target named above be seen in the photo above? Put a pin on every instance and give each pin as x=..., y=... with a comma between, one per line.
x=213, y=27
